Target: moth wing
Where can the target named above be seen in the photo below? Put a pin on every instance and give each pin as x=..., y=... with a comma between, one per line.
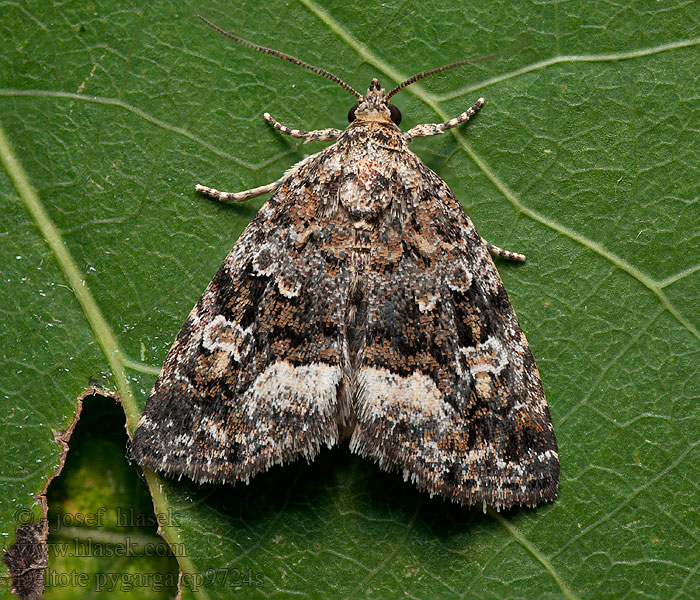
x=447, y=388
x=253, y=376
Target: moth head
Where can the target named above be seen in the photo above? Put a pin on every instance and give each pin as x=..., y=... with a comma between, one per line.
x=374, y=107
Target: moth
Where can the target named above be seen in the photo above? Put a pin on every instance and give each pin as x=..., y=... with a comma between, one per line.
x=359, y=303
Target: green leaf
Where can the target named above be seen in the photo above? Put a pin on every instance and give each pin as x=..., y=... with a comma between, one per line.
x=585, y=157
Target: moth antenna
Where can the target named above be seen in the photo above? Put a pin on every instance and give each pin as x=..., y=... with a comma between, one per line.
x=283, y=56
x=425, y=74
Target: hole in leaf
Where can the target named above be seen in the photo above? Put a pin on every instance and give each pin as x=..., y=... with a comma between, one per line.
x=102, y=529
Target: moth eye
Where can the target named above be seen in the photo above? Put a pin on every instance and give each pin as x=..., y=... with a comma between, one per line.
x=351, y=113
x=395, y=114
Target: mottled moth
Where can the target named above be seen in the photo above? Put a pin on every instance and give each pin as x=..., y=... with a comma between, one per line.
x=360, y=303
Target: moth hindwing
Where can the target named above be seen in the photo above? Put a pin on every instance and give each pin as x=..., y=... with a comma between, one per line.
x=360, y=302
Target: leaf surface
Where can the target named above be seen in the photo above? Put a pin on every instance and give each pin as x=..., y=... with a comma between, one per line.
x=585, y=157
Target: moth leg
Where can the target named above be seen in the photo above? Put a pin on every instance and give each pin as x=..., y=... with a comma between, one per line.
x=428, y=129
x=239, y=196
x=318, y=135
x=251, y=193
x=496, y=251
